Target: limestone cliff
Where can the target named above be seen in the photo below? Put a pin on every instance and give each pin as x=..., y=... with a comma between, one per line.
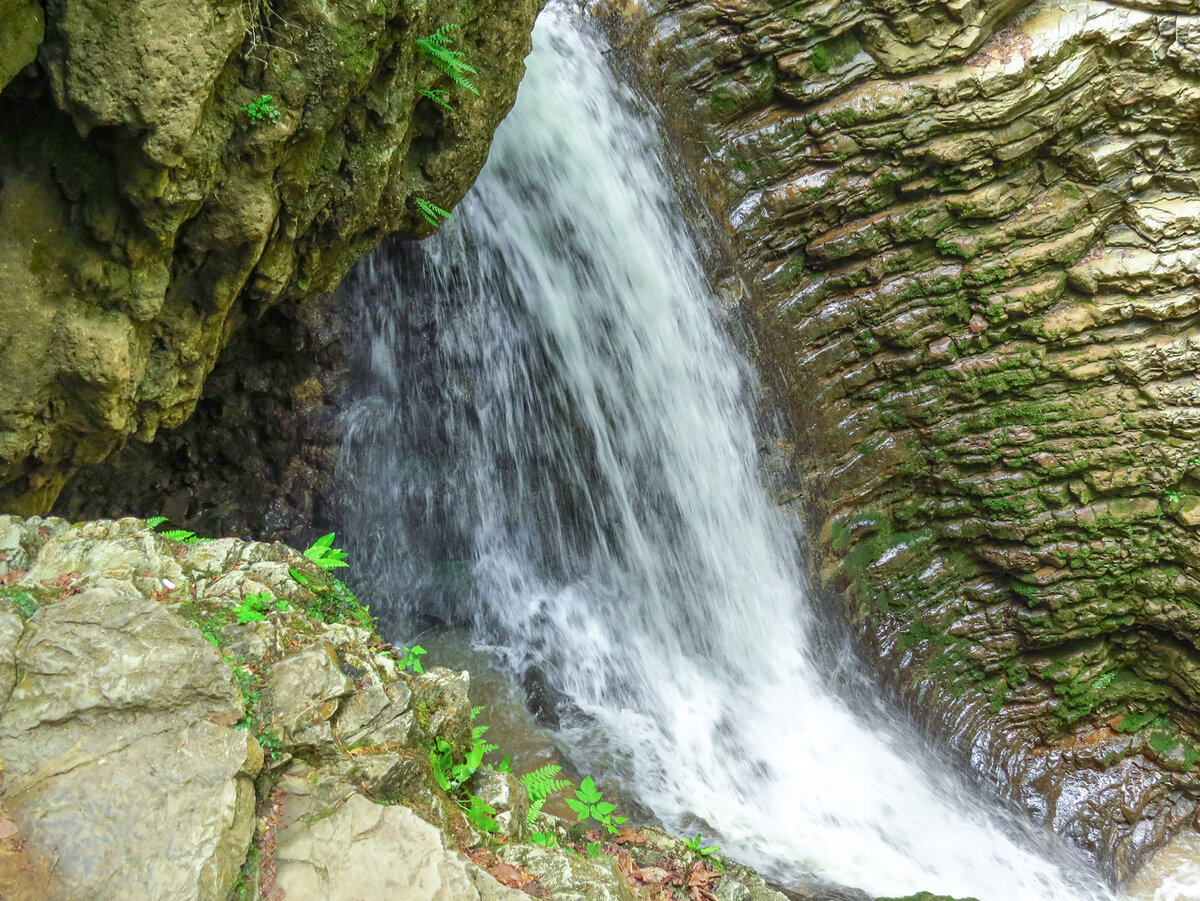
x=169, y=170
x=973, y=231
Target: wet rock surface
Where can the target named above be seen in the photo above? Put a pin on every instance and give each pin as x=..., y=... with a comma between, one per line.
x=972, y=232
x=170, y=171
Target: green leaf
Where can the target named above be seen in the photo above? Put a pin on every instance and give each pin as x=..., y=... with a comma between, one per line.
x=298, y=576
x=155, y=521
x=581, y=809
x=178, y=535
x=588, y=792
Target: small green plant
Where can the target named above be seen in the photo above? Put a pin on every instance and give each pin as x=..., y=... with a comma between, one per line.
x=332, y=602
x=255, y=607
x=480, y=813
x=325, y=555
x=588, y=803
x=436, y=47
x=694, y=845
x=433, y=213
x=260, y=110
x=1173, y=497
x=183, y=536
x=545, y=839
x=438, y=96
x=409, y=658
x=450, y=775
x=256, y=720
x=540, y=784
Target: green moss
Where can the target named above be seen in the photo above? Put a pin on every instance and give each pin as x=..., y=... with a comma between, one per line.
x=836, y=51
x=821, y=58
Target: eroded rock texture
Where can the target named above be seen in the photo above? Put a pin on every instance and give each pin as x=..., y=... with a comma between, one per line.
x=144, y=213
x=974, y=230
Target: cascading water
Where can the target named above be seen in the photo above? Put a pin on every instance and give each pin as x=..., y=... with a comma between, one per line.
x=552, y=449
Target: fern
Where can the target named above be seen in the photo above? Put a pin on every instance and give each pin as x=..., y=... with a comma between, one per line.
x=438, y=96
x=437, y=48
x=540, y=784
x=182, y=535
x=433, y=213
x=155, y=521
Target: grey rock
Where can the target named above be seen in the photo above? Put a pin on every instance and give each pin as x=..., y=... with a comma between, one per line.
x=360, y=850
x=118, y=699
x=306, y=688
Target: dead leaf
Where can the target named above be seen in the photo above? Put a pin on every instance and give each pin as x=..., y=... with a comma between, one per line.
x=630, y=836
x=11, y=576
x=700, y=882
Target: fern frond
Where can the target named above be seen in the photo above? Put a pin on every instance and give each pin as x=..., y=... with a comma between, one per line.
x=540, y=783
x=475, y=711
x=535, y=808
x=433, y=213
x=437, y=47
x=155, y=521
x=438, y=96
x=178, y=535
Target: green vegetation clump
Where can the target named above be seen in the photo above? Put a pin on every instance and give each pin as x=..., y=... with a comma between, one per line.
x=260, y=110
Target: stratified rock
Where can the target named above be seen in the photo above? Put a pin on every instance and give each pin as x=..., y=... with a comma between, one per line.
x=971, y=232
x=170, y=170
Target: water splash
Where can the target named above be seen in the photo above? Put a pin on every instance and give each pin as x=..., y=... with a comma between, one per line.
x=553, y=448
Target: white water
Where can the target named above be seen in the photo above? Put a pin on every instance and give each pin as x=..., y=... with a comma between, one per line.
x=553, y=447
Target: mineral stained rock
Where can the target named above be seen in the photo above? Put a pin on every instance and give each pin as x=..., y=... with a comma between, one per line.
x=170, y=170
x=974, y=235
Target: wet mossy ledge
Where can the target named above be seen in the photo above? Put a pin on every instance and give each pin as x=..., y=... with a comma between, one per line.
x=168, y=171
x=219, y=720
x=970, y=241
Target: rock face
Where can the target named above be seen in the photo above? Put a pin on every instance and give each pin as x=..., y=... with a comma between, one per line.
x=191, y=721
x=169, y=170
x=973, y=233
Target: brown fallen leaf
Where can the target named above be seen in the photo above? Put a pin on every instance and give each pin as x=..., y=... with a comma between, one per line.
x=700, y=882
x=11, y=576
x=630, y=836
x=513, y=876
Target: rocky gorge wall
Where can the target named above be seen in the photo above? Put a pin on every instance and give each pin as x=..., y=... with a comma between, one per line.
x=150, y=203
x=971, y=230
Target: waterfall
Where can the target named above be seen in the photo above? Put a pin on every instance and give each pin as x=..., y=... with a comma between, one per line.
x=551, y=448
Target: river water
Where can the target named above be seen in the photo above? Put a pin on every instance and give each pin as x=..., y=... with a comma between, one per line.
x=552, y=451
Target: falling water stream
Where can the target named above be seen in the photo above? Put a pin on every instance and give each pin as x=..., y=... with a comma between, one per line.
x=552, y=450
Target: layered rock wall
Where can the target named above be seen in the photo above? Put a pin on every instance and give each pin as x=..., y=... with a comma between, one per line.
x=152, y=198
x=973, y=230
